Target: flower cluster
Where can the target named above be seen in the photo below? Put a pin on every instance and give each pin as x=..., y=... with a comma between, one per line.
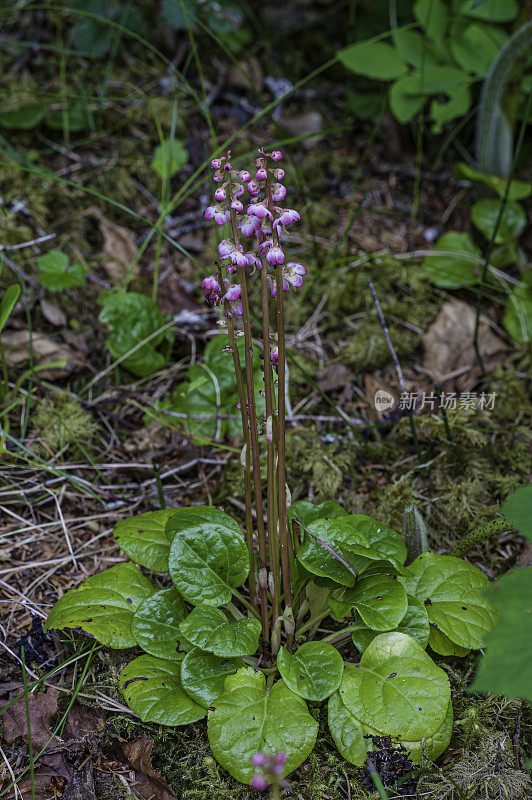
x=263, y=221
x=271, y=769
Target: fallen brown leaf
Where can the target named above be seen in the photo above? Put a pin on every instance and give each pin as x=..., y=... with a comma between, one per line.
x=48, y=785
x=83, y=720
x=53, y=314
x=119, y=246
x=148, y=783
x=16, y=345
x=449, y=347
x=42, y=708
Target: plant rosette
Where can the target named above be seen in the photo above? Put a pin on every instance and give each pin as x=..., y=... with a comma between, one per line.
x=202, y=645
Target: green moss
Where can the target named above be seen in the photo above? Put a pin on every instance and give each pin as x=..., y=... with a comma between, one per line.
x=60, y=422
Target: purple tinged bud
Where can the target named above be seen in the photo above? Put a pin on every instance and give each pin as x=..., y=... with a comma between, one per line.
x=233, y=293
x=280, y=758
x=238, y=190
x=261, y=174
x=244, y=175
x=220, y=194
x=211, y=290
x=276, y=155
x=216, y=212
x=259, y=210
x=237, y=206
x=288, y=217
x=275, y=256
x=218, y=176
x=216, y=163
x=259, y=783
x=237, y=309
x=274, y=356
x=278, y=192
x=250, y=226
x=259, y=162
x=278, y=173
x=253, y=188
x=226, y=247
x=259, y=759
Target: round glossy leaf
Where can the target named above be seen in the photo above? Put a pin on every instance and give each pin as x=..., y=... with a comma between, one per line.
x=455, y=103
x=376, y=60
x=454, y=261
x=347, y=731
x=379, y=599
x=183, y=518
x=155, y=624
x=415, y=623
x=207, y=561
x=451, y=591
x=203, y=675
x=382, y=540
x=103, y=606
x=442, y=645
x=144, y=540
x=432, y=746
x=305, y=512
x=405, y=101
x=404, y=696
x=322, y=553
x=247, y=718
x=208, y=628
x=485, y=214
x=313, y=672
x=152, y=689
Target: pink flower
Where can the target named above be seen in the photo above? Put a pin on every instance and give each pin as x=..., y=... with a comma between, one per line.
x=218, y=176
x=275, y=256
x=293, y=274
x=249, y=226
x=253, y=188
x=278, y=192
x=259, y=759
x=259, y=162
x=276, y=155
x=220, y=194
x=259, y=210
x=238, y=190
x=261, y=174
x=226, y=247
x=259, y=783
x=288, y=217
x=252, y=260
x=278, y=173
x=273, y=286
x=216, y=212
x=274, y=356
x=233, y=293
x=237, y=309
x=244, y=175
x=216, y=163
x=237, y=206
x=211, y=290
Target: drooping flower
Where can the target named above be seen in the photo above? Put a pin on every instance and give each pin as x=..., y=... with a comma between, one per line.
x=275, y=256
x=274, y=356
x=211, y=290
x=259, y=783
x=293, y=275
x=233, y=292
x=259, y=210
x=287, y=217
x=217, y=213
x=249, y=226
x=278, y=192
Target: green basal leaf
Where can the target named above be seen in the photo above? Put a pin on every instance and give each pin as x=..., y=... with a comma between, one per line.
x=432, y=746
x=346, y=730
x=475, y=46
x=56, y=273
x=143, y=538
x=152, y=689
x=306, y=512
x=432, y=15
x=247, y=718
x=183, y=518
x=379, y=599
x=415, y=623
x=169, y=157
x=374, y=60
x=203, y=675
x=518, y=509
x=414, y=48
x=314, y=671
x=518, y=312
x=155, y=624
x=404, y=98
x=449, y=271
x=485, y=214
x=506, y=666
x=322, y=554
x=103, y=606
x=384, y=542
x=442, y=645
x=23, y=118
x=208, y=628
x=207, y=561
x=455, y=104
x=491, y=11
x=451, y=590
x=406, y=696
x=78, y=117
x=7, y=304
x=518, y=190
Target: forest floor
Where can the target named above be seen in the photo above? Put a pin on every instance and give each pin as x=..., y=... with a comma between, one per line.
x=86, y=447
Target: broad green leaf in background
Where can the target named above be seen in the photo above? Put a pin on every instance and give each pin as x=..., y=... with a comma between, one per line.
x=518, y=190
x=382, y=540
x=248, y=718
x=55, y=271
x=78, y=117
x=455, y=104
x=432, y=15
x=94, y=37
x=314, y=671
x=172, y=13
x=433, y=79
x=183, y=518
x=306, y=512
x=506, y=666
x=22, y=118
x=379, y=599
x=209, y=629
x=169, y=157
x=485, y=214
x=152, y=689
x=518, y=509
x=321, y=553
x=155, y=624
x=207, y=562
x=415, y=623
x=475, y=46
x=374, y=60
x=103, y=606
x=203, y=675
x=491, y=11
x=451, y=590
x=518, y=311
x=414, y=48
x=7, y=303
x=442, y=645
x=133, y=317
x=143, y=538
x=404, y=98
x=346, y=729
x=450, y=271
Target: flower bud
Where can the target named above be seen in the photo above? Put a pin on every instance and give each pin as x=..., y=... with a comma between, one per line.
x=259, y=759
x=244, y=175
x=259, y=783
x=278, y=192
x=261, y=174
x=253, y=188
x=220, y=194
x=236, y=205
x=275, y=256
x=276, y=155
x=216, y=163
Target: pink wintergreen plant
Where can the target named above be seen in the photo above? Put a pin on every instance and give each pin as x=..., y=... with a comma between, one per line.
x=261, y=221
